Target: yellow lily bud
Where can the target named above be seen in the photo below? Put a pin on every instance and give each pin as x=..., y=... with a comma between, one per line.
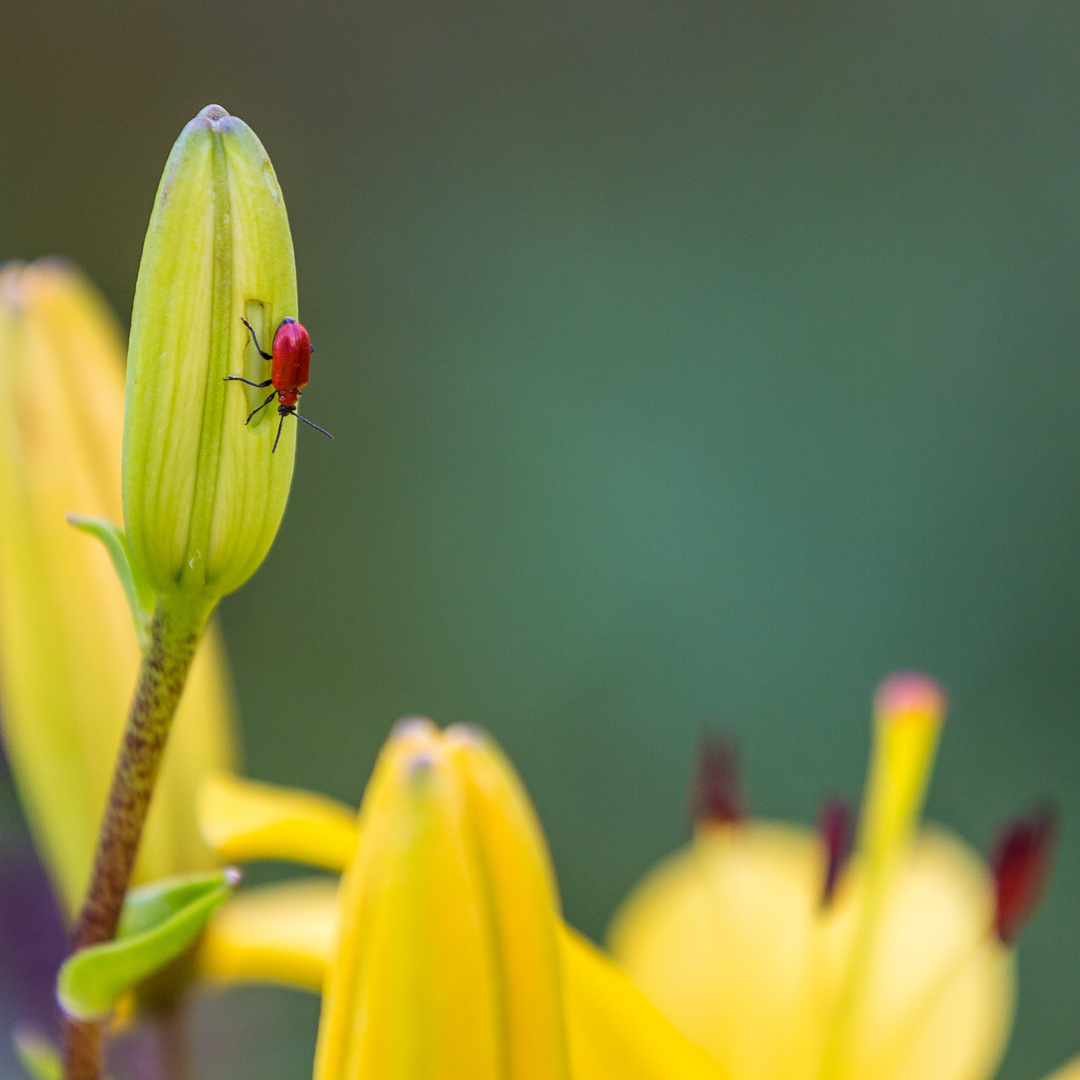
x=203, y=494
x=896, y=975
x=447, y=956
x=447, y=960
x=68, y=650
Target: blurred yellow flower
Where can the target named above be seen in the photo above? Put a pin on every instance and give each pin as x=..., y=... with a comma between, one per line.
x=443, y=954
x=68, y=650
x=786, y=962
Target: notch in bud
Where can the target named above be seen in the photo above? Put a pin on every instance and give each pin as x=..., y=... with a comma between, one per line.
x=1022, y=861
x=714, y=789
x=203, y=495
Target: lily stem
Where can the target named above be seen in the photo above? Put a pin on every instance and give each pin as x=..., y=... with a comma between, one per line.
x=175, y=635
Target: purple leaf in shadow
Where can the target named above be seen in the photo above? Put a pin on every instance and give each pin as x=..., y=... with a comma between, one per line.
x=32, y=939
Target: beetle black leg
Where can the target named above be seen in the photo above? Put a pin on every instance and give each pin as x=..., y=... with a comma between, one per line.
x=258, y=349
x=258, y=385
x=277, y=438
x=262, y=406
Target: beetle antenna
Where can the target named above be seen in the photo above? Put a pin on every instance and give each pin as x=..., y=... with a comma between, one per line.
x=315, y=426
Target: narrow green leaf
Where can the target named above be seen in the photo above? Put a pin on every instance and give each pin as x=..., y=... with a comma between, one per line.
x=158, y=923
x=151, y=905
x=37, y=1054
x=140, y=595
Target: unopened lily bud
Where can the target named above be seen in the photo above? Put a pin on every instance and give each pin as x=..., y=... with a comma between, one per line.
x=68, y=649
x=203, y=494
x=447, y=961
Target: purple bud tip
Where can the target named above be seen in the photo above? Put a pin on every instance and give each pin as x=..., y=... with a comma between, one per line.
x=420, y=765
x=837, y=830
x=213, y=112
x=1021, y=862
x=907, y=693
x=468, y=734
x=714, y=791
x=233, y=877
x=411, y=725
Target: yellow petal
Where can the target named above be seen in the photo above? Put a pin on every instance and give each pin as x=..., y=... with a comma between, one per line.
x=68, y=651
x=615, y=1032
x=274, y=934
x=938, y=998
x=1068, y=1071
x=514, y=864
x=729, y=939
x=721, y=937
x=244, y=820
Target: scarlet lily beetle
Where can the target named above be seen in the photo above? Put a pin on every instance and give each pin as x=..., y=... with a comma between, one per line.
x=289, y=374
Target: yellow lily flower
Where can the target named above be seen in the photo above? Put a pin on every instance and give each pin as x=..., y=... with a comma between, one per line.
x=68, y=649
x=444, y=953
x=784, y=963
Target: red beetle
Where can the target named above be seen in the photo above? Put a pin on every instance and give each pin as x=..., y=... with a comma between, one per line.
x=289, y=374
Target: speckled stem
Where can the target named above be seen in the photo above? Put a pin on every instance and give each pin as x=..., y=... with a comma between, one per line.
x=174, y=637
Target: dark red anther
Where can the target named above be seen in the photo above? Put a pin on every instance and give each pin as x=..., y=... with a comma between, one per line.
x=1021, y=862
x=837, y=828
x=714, y=790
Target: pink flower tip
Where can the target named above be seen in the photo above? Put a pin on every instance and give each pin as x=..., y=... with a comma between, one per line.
x=910, y=693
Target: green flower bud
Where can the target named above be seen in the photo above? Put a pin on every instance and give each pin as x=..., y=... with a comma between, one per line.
x=203, y=494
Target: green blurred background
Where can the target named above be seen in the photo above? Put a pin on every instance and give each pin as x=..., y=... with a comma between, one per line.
x=692, y=365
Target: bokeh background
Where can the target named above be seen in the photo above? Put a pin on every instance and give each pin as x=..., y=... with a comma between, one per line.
x=692, y=364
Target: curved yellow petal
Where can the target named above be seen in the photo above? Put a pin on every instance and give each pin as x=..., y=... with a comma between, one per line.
x=721, y=937
x=729, y=938
x=1069, y=1071
x=275, y=934
x=520, y=882
x=244, y=820
x=615, y=1032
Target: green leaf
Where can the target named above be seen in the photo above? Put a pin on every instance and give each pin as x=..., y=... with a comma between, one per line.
x=37, y=1055
x=158, y=923
x=140, y=594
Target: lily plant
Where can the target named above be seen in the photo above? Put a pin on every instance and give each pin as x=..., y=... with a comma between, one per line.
x=762, y=952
